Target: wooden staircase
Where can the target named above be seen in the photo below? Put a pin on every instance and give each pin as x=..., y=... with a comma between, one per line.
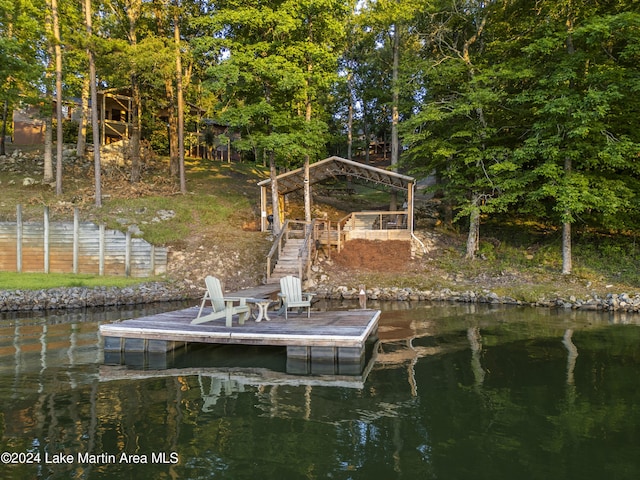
x=288, y=263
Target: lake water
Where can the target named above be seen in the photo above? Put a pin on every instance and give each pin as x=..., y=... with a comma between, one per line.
x=452, y=392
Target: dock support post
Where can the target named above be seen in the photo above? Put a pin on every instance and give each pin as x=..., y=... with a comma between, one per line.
x=323, y=360
x=298, y=358
x=139, y=351
x=350, y=360
x=134, y=345
x=303, y=360
x=112, y=344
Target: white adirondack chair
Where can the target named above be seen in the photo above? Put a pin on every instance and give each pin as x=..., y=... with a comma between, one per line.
x=292, y=295
x=223, y=307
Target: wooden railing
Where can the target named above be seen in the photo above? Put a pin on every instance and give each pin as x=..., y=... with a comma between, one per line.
x=276, y=249
x=380, y=220
x=335, y=233
x=294, y=229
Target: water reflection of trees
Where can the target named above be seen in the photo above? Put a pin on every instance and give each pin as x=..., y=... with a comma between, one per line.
x=490, y=386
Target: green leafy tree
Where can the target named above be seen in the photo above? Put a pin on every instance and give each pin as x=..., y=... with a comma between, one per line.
x=580, y=150
x=393, y=44
x=21, y=66
x=272, y=66
x=460, y=132
x=128, y=57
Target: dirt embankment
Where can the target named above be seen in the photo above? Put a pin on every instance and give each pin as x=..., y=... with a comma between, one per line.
x=369, y=256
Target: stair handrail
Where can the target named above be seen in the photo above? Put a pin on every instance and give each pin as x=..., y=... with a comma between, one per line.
x=307, y=250
x=276, y=249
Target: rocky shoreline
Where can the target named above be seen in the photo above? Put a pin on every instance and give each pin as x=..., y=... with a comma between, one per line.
x=156, y=292
x=611, y=302
x=84, y=297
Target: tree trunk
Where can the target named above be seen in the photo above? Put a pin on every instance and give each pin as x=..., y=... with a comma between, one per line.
x=95, y=127
x=395, y=114
x=307, y=118
x=58, y=58
x=566, y=249
x=473, y=239
x=3, y=133
x=307, y=185
x=474, y=229
x=273, y=174
x=134, y=144
x=48, y=149
x=567, y=266
x=174, y=160
x=367, y=135
x=350, y=117
x=174, y=156
x=133, y=13
x=46, y=112
x=176, y=33
x=307, y=191
x=84, y=108
x=395, y=99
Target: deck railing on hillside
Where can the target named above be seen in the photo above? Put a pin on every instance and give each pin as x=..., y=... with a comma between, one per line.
x=335, y=233
x=375, y=220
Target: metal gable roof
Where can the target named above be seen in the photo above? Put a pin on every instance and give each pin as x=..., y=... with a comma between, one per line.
x=339, y=167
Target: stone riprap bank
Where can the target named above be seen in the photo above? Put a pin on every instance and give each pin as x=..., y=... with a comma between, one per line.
x=83, y=297
x=610, y=302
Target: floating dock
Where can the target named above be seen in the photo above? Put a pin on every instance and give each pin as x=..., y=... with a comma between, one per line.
x=335, y=340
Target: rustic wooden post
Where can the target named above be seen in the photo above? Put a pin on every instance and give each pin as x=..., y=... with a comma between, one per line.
x=102, y=120
x=19, y=238
x=101, y=251
x=410, y=208
x=127, y=254
x=263, y=209
x=76, y=239
x=45, y=239
x=152, y=267
x=362, y=297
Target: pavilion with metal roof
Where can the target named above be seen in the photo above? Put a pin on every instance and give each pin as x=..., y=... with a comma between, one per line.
x=338, y=167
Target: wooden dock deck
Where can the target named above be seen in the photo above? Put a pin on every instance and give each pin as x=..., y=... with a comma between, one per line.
x=338, y=337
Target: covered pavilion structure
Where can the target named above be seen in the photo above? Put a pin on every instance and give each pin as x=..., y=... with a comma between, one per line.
x=337, y=168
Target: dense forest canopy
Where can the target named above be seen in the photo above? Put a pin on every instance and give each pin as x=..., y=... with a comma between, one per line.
x=523, y=106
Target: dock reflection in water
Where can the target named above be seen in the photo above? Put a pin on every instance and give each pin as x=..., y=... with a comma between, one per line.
x=453, y=392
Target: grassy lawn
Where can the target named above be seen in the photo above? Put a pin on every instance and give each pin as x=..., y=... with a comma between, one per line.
x=37, y=281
